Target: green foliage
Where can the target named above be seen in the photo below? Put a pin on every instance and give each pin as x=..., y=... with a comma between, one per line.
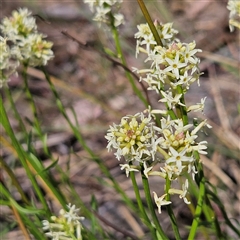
x=32, y=212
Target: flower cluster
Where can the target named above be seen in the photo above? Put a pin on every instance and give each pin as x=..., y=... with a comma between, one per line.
x=172, y=64
x=133, y=138
x=106, y=11
x=8, y=65
x=172, y=143
x=141, y=143
x=21, y=43
x=145, y=37
x=234, y=16
x=66, y=226
x=179, y=145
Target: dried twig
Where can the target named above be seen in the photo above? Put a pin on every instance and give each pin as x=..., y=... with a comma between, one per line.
x=91, y=47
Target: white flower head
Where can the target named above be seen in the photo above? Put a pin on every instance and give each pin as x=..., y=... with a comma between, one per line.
x=65, y=226
x=234, y=15
x=170, y=100
x=197, y=107
x=72, y=214
x=106, y=11
x=174, y=65
x=27, y=45
x=128, y=168
x=179, y=159
x=8, y=62
x=134, y=138
x=182, y=193
x=200, y=126
x=171, y=171
x=19, y=25
x=166, y=32
x=35, y=50
x=160, y=201
x=145, y=37
x=147, y=169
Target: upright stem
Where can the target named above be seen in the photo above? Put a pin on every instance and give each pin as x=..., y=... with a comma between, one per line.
x=150, y=22
x=22, y=155
x=199, y=207
x=146, y=220
x=79, y=137
x=35, y=114
x=151, y=208
x=182, y=109
x=14, y=180
x=170, y=211
x=123, y=60
x=16, y=114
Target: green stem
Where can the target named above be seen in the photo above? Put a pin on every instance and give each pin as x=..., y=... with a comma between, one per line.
x=171, y=113
x=207, y=207
x=22, y=155
x=33, y=228
x=16, y=114
x=123, y=60
x=35, y=114
x=30, y=224
x=146, y=220
x=182, y=109
x=150, y=22
x=80, y=139
x=170, y=211
x=199, y=207
x=151, y=208
x=14, y=180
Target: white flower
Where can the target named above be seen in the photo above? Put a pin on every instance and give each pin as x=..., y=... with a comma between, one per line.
x=8, y=62
x=104, y=11
x=148, y=41
x=19, y=25
x=119, y=19
x=172, y=172
x=170, y=100
x=46, y=224
x=197, y=107
x=166, y=123
x=28, y=46
x=65, y=226
x=180, y=127
x=134, y=138
x=143, y=30
x=72, y=214
x=179, y=158
x=35, y=50
x=146, y=170
x=189, y=141
x=160, y=201
x=144, y=37
x=234, y=8
x=166, y=32
x=200, y=147
x=188, y=51
x=128, y=168
x=182, y=193
x=174, y=65
x=100, y=15
x=200, y=126
x=184, y=80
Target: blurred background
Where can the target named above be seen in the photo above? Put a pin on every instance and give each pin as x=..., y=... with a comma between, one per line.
x=100, y=94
